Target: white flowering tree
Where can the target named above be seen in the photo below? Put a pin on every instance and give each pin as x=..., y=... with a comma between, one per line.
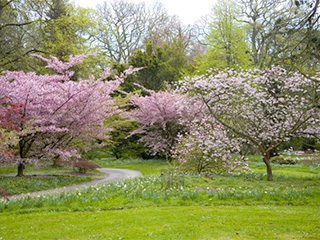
x=265, y=108
x=207, y=148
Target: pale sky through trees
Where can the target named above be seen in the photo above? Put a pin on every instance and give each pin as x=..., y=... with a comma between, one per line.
x=188, y=11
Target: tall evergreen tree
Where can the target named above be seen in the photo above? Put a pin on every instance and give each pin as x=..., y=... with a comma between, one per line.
x=162, y=65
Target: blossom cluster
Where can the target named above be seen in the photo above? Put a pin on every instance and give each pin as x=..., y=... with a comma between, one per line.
x=162, y=116
x=59, y=115
x=265, y=107
x=206, y=148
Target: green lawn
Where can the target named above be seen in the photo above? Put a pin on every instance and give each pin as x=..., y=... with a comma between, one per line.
x=227, y=206
x=287, y=170
x=203, y=222
x=32, y=169
x=18, y=185
x=147, y=167
x=39, y=178
x=45, y=177
x=228, y=189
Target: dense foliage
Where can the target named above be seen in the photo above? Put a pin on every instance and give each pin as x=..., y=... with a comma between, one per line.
x=207, y=148
x=162, y=65
x=10, y=121
x=60, y=116
x=50, y=113
x=265, y=108
x=163, y=115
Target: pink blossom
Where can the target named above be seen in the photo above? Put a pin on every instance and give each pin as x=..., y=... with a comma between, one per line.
x=60, y=116
x=163, y=116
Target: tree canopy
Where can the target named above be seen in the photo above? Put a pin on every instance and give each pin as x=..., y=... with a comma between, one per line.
x=253, y=64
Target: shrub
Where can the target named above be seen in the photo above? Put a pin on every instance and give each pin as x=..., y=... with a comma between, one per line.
x=96, y=153
x=82, y=166
x=284, y=160
x=195, y=161
x=205, y=149
x=4, y=194
x=163, y=116
x=121, y=144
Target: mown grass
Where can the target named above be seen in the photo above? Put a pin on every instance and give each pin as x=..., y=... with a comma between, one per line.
x=178, y=222
x=146, y=167
x=32, y=169
x=227, y=206
x=157, y=166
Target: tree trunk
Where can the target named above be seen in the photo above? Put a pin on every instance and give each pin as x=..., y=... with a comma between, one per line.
x=266, y=160
x=21, y=166
x=56, y=162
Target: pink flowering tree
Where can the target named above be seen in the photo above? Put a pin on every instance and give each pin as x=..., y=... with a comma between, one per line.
x=162, y=116
x=10, y=121
x=60, y=116
x=265, y=108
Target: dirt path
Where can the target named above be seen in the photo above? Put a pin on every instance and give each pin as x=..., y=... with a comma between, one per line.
x=112, y=175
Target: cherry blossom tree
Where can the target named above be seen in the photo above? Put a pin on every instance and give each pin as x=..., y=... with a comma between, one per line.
x=179, y=128
x=265, y=108
x=163, y=115
x=60, y=116
x=10, y=119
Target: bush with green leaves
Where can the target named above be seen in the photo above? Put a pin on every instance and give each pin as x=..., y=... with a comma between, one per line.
x=4, y=194
x=120, y=143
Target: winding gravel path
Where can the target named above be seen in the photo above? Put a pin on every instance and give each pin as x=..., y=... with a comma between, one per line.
x=112, y=175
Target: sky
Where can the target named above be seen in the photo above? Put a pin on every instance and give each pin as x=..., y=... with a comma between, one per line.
x=187, y=10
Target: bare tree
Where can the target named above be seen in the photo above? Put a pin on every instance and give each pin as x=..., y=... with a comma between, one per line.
x=124, y=27
x=24, y=29
x=121, y=28
x=14, y=26
x=281, y=32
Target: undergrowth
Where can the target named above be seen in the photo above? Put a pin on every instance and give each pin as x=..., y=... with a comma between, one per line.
x=228, y=189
